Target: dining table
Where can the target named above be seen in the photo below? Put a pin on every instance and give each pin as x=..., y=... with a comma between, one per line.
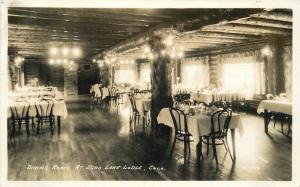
x=209, y=96
x=143, y=103
x=96, y=89
x=202, y=96
x=199, y=124
x=18, y=101
x=266, y=107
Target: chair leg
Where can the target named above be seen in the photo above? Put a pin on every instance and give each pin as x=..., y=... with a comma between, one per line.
x=27, y=126
x=185, y=149
x=38, y=127
x=281, y=121
x=207, y=147
x=275, y=120
x=14, y=129
x=289, y=128
x=226, y=142
x=51, y=124
x=199, y=150
x=20, y=123
x=215, y=151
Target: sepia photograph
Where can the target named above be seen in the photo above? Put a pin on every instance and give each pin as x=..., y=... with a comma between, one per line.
x=149, y=94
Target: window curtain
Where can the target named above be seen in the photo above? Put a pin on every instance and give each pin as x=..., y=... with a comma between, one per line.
x=242, y=71
x=195, y=73
x=145, y=73
x=124, y=74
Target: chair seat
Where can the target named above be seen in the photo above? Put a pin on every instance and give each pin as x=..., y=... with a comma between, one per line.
x=181, y=135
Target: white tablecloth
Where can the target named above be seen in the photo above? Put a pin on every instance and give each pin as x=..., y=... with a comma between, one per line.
x=199, y=124
x=204, y=97
x=96, y=89
x=59, y=108
x=275, y=106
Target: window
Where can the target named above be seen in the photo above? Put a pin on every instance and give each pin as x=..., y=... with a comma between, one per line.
x=195, y=76
x=244, y=76
x=145, y=75
x=124, y=76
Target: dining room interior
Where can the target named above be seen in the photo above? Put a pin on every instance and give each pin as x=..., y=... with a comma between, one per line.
x=147, y=94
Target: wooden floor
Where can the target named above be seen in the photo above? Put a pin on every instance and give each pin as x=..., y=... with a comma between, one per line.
x=92, y=137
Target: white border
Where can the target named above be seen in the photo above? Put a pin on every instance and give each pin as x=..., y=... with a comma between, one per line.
x=293, y=4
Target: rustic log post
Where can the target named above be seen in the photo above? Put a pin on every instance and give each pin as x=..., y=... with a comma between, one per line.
x=274, y=68
x=161, y=78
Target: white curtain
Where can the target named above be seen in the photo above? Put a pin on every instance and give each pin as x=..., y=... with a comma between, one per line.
x=243, y=73
x=145, y=74
x=124, y=76
x=195, y=74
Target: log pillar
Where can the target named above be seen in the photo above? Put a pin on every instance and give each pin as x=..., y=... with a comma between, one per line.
x=274, y=68
x=160, y=77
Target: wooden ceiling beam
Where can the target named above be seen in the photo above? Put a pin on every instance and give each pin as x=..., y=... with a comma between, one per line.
x=243, y=29
x=216, y=34
x=69, y=18
x=279, y=16
x=24, y=27
x=264, y=22
x=71, y=26
x=65, y=39
x=214, y=17
x=200, y=39
x=112, y=14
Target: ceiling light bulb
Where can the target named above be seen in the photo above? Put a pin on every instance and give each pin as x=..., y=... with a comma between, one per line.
x=65, y=51
x=163, y=52
x=58, y=61
x=76, y=52
x=53, y=51
x=65, y=61
x=266, y=51
x=180, y=54
x=147, y=49
x=51, y=61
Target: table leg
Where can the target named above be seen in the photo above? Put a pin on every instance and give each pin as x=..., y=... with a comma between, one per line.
x=266, y=121
x=199, y=152
x=58, y=123
x=233, y=142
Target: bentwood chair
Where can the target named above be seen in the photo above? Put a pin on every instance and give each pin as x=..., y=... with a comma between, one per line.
x=181, y=131
x=134, y=114
x=220, y=121
x=282, y=118
x=44, y=110
x=113, y=96
x=19, y=116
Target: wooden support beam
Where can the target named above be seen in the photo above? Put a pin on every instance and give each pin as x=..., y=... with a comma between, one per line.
x=243, y=29
x=108, y=14
x=256, y=21
x=202, y=39
x=224, y=35
x=279, y=16
x=216, y=16
x=51, y=34
x=69, y=25
x=72, y=18
x=253, y=45
x=61, y=30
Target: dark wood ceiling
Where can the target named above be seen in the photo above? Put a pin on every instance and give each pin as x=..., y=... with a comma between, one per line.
x=33, y=30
